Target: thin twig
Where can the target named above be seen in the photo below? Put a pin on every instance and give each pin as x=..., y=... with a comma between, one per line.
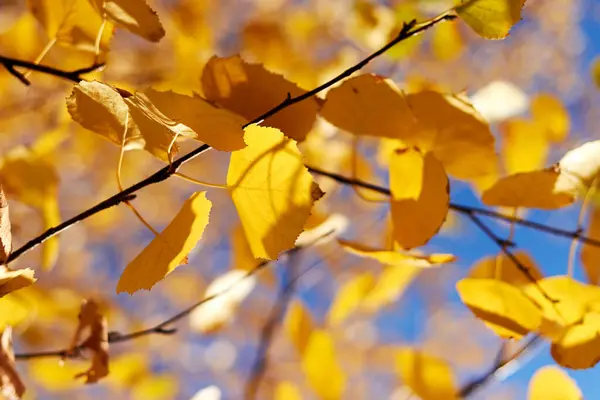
x=268, y=331
x=470, y=387
x=464, y=209
x=408, y=30
x=74, y=76
x=163, y=328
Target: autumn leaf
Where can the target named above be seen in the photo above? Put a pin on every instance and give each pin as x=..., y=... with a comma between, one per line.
x=323, y=372
x=231, y=81
x=503, y=268
x=596, y=72
x=420, y=196
x=389, y=287
x=287, y=391
x=491, y=19
x=502, y=307
x=14, y=280
x=5, y=233
x=578, y=348
x=134, y=15
x=428, y=377
x=91, y=319
x=525, y=145
x=272, y=190
x=552, y=383
x=71, y=23
x=548, y=112
x=298, y=325
x=169, y=249
x=11, y=385
x=227, y=292
x=348, y=297
x=579, y=168
x=535, y=189
x=215, y=126
x=396, y=258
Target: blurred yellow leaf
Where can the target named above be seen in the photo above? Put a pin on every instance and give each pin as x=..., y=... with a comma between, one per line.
x=155, y=387
x=169, y=249
x=127, y=369
x=231, y=81
x=226, y=292
x=446, y=42
x=395, y=257
x=349, y=297
x=14, y=280
x=420, y=196
x=535, y=189
x=552, y=383
x=596, y=72
x=525, y=146
x=390, y=285
x=298, y=325
x=590, y=254
x=548, y=111
x=323, y=372
x=428, y=377
x=503, y=268
x=54, y=374
x=219, y=128
x=287, y=391
x=71, y=23
x=134, y=15
x=491, y=19
x=502, y=307
x=13, y=310
x=272, y=190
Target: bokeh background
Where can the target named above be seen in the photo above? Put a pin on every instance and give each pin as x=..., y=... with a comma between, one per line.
x=551, y=51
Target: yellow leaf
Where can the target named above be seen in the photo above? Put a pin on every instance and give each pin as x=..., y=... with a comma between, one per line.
x=287, y=391
x=502, y=307
x=429, y=377
x=390, y=285
x=14, y=280
x=549, y=112
x=349, y=297
x=54, y=374
x=535, y=189
x=552, y=383
x=169, y=249
x=127, y=369
x=298, y=325
x=217, y=127
x=420, y=196
x=578, y=348
x=396, y=258
x=501, y=267
x=272, y=190
x=446, y=42
x=13, y=310
x=491, y=19
x=51, y=218
x=134, y=15
x=590, y=254
x=596, y=72
x=579, y=167
x=155, y=387
x=227, y=291
x=525, y=146
x=231, y=81
x=71, y=23
x=323, y=372
x=350, y=107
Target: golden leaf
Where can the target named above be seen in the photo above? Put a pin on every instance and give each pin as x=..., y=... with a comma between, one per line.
x=134, y=15
x=349, y=297
x=396, y=258
x=491, y=19
x=430, y=378
x=323, y=372
x=552, y=383
x=298, y=325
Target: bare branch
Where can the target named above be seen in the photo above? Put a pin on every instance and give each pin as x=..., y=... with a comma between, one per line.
x=74, y=76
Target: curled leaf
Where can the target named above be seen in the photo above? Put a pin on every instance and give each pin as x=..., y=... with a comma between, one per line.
x=11, y=385
x=134, y=15
x=395, y=257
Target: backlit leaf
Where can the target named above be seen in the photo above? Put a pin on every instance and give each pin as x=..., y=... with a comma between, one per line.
x=169, y=249
x=551, y=115
x=552, y=383
x=134, y=15
x=321, y=367
x=420, y=196
x=231, y=81
x=578, y=348
x=503, y=268
x=272, y=190
x=389, y=287
x=535, y=189
x=396, y=257
x=429, y=377
x=298, y=325
x=502, y=307
x=491, y=19
x=579, y=167
x=349, y=297
x=525, y=146
x=499, y=100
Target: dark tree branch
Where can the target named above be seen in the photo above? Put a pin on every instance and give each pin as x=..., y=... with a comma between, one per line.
x=268, y=331
x=74, y=76
x=472, y=386
x=163, y=327
x=408, y=30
